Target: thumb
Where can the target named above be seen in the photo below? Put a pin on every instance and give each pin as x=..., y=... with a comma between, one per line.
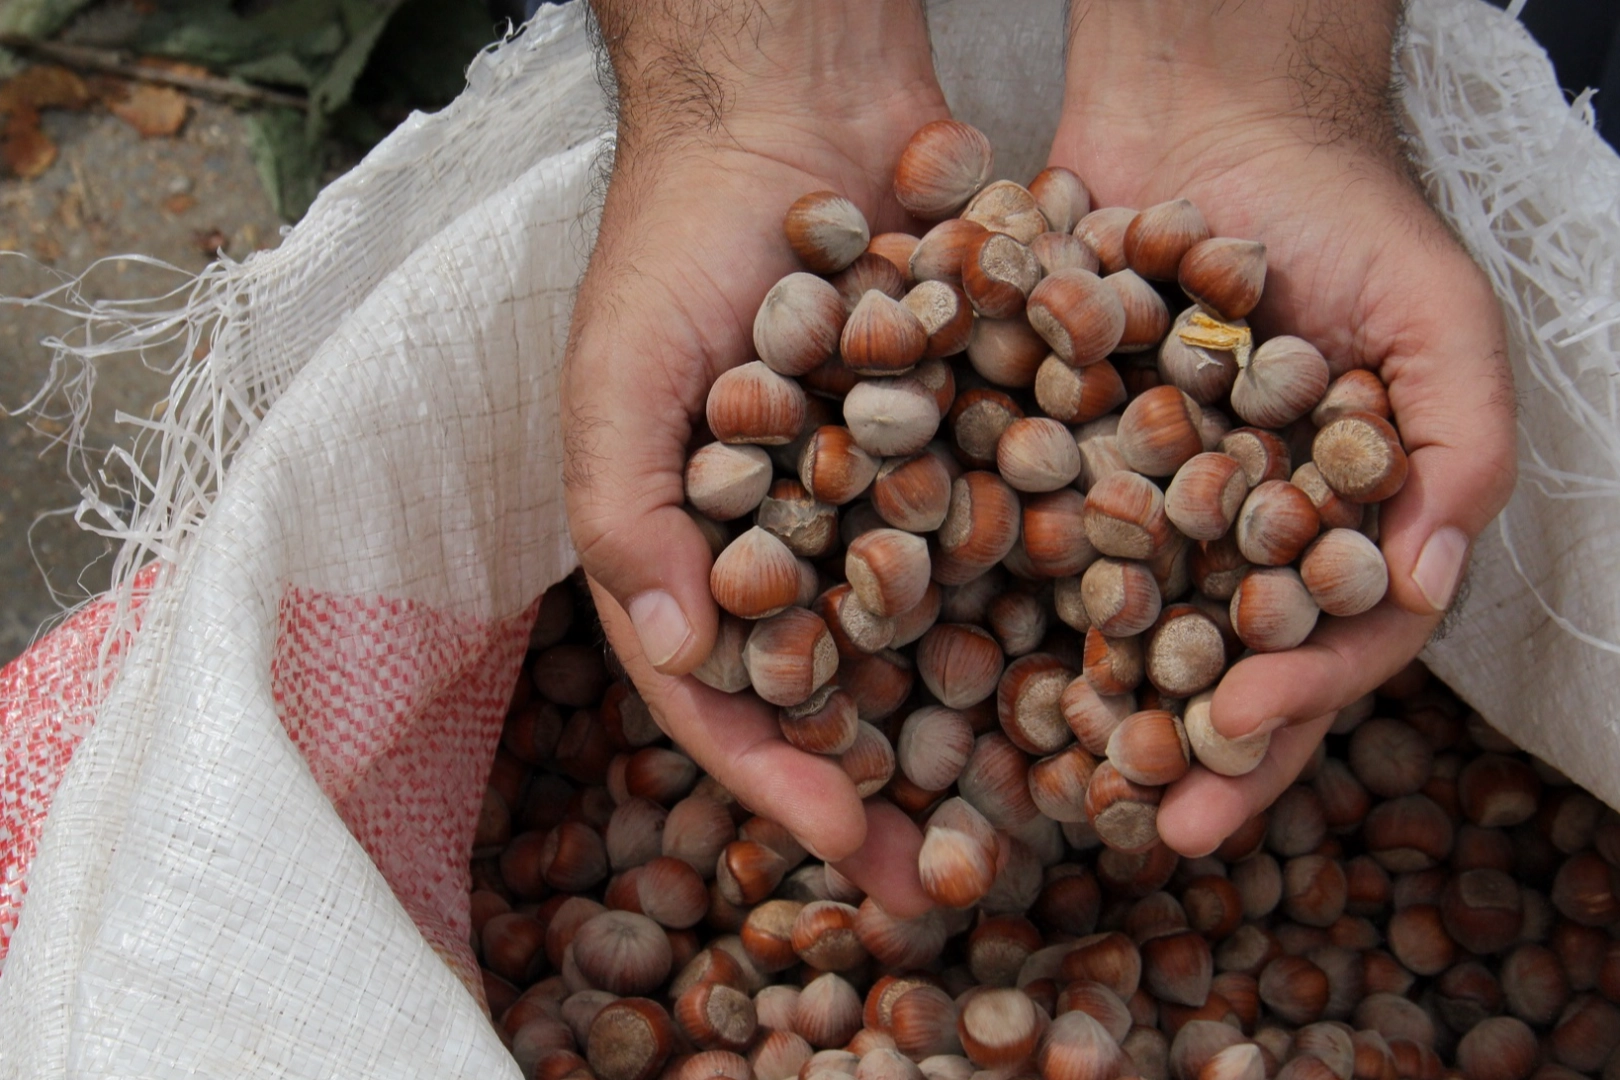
x=625, y=436
x=1451, y=391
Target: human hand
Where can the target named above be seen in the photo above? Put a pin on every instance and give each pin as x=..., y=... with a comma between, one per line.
x=1275, y=117
x=728, y=113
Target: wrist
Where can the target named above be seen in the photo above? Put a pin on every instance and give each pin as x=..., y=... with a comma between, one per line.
x=732, y=72
x=1150, y=83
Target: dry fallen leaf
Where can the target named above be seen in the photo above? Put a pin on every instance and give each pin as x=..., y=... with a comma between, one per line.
x=152, y=110
x=44, y=87
x=209, y=241
x=27, y=150
x=175, y=67
x=179, y=204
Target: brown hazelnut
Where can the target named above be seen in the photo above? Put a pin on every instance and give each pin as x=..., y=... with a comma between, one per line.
x=1123, y=813
x=1357, y=391
x=1158, y=432
x=1336, y=513
x=629, y=1039
x=1078, y=314
x=1149, y=748
x=1064, y=251
x=1262, y=454
x=1185, y=652
x=1112, y=665
x=826, y=722
x=933, y=746
x=1121, y=596
x=1103, y=230
x=979, y=529
x=1345, y=572
x=1125, y=516
x=1062, y=196
x=1294, y=989
x=1275, y=523
x=1282, y=381
x=891, y=417
x=1006, y=207
x=1054, y=533
x=753, y=404
x=1146, y=317
x=1204, y=498
x=938, y=255
x=943, y=311
x=998, y=273
x=995, y=781
x=869, y=762
x=1205, y=366
x=943, y=166
x=1225, y=276
x=1159, y=236
x=797, y=327
x=1359, y=456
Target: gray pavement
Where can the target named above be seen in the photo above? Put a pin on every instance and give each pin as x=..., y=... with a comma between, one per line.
x=109, y=192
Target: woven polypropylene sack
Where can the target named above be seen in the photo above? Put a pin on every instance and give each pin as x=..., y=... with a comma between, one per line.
x=254, y=857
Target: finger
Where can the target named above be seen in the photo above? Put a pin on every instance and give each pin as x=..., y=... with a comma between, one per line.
x=1343, y=660
x=1452, y=395
x=1203, y=808
x=625, y=448
x=885, y=867
x=735, y=738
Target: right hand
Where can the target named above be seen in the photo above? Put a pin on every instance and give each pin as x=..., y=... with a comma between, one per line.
x=690, y=241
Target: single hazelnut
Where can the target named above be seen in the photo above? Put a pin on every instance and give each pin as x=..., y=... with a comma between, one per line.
x=1217, y=566
x=1093, y=716
x=1149, y=748
x=1282, y=381
x=1356, y=391
x=726, y=482
x=1027, y=703
x=1586, y=1035
x=1499, y=1048
x=1019, y=622
x=938, y=255
x=1103, y=230
x=995, y=781
x=1205, y=496
x=1224, y=275
x=980, y=527
x=869, y=762
x=1077, y=395
x=1006, y=207
x=914, y=622
x=998, y=273
x=753, y=404
x=882, y=336
x=1272, y=610
x=826, y=231
x=1037, y=454
x=1498, y=791
x=1099, y=450
x=1124, y=813
x=1295, y=989
x=1199, y=355
x=756, y=576
x=943, y=311
x=1336, y=513
x=891, y=417
x=806, y=525
x=943, y=166
x=899, y=943
x=1345, y=572
x=897, y=247
x=629, y=1039
x=1159, y=236
x=1275, y=523
x=1063, y=251
x=829, y=1012
x=1158, y=431
x=827, y=722
x=779, y=1056
x=833, y=468
x=856, y=629
x=1147, y=319
x=797, y=327
x=1121, y=597
x=1054, y=533
x=1584, y=890
x=888, y=570
x=868, y=273
x=1125, y=517
x=879, y=683
x=1359, y=456
x=1112, y=665
x=789, y=656
x=1076, y=1047
x=1062, y=196
x=621, y=952
x=977, y=419
x=1057, y=783
x=913, y=493
x=1185, y=651
x=715, y=1016
x=747, y=871
x=1078, y=314
x=957, y=862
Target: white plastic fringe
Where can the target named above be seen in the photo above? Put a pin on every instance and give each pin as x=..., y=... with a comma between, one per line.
x=1535, y=195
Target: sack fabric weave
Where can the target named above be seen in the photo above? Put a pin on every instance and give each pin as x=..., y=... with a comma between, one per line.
x=238, y=796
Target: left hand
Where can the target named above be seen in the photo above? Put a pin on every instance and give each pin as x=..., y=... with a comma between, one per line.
x=1275, y=119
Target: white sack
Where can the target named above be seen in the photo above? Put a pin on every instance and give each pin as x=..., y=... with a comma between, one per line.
x=255, y=863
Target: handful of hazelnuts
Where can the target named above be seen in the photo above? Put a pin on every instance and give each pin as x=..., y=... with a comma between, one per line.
x=995, y=461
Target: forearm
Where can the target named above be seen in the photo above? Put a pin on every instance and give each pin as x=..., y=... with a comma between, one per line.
x=710, y=67
x=1324, y=66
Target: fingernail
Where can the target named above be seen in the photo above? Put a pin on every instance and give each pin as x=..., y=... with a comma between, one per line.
x=660, y=624
x=1440, y=565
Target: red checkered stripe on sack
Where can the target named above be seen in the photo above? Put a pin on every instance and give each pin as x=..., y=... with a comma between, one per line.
x=48, y=698
x=398, y=708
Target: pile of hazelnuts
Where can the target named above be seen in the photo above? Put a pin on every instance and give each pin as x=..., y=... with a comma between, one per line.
x=1424, y=903
x=988, y=506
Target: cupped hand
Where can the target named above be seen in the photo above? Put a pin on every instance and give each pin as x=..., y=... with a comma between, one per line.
x=1357, y=264
x=690, y=241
